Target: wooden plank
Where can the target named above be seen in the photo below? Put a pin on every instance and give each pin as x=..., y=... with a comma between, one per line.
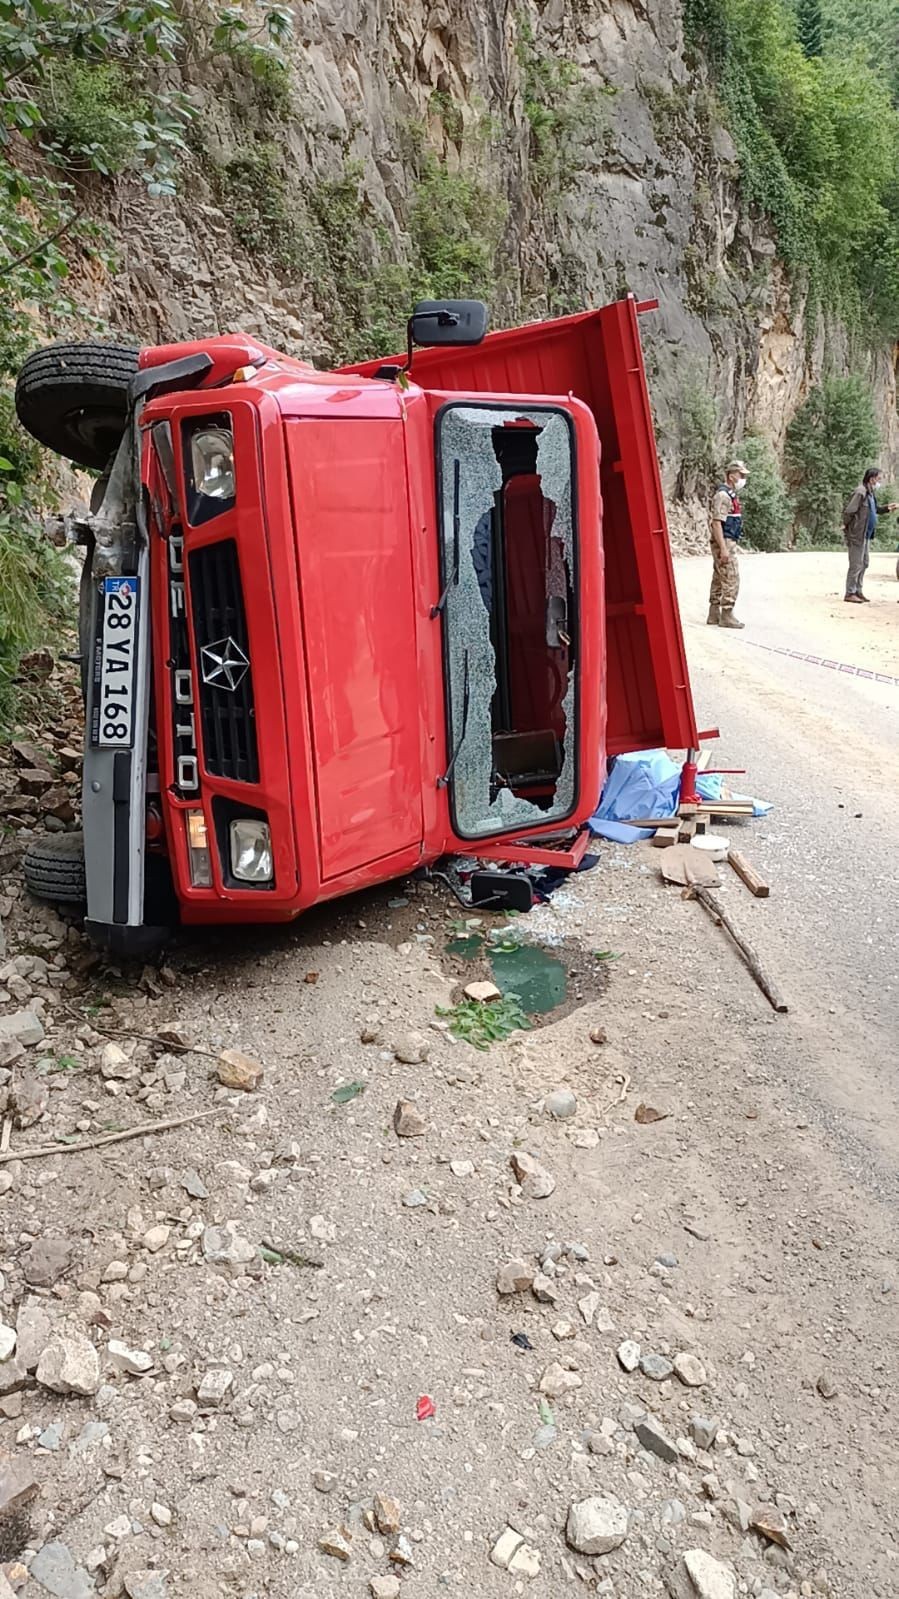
x=745, y=870
x=665, y=836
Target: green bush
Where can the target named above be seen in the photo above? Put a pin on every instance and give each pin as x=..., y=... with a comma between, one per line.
x=767, y=505
x=830, y=441
x=89, y=110
x=455, y=223
x=817, y=136
x=254, y=192
x=564, y=111
x=37, y=581
x=695, y=416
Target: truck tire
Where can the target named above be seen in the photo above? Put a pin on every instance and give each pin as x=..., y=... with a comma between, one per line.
x=74, y=399
x=53, y=869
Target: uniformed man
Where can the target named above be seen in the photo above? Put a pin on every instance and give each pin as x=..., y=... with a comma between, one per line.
x=727, y=531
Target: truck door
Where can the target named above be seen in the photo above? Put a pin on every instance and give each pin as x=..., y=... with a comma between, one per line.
x=348, y=480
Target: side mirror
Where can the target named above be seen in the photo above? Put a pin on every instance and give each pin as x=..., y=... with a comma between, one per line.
x=436, y=322
x=501, y=891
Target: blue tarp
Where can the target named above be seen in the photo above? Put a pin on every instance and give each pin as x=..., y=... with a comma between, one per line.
x=647, y=783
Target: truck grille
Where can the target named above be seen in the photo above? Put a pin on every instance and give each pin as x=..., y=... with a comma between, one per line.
x=225, y=679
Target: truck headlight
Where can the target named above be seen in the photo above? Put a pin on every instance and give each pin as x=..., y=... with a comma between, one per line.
x=251, y=851
x=198, y=850
x=212, y=462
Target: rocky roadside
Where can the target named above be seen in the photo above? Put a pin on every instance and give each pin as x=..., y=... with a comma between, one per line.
x=387, y=1314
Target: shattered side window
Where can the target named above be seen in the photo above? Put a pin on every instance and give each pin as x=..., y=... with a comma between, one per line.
x=508, y=552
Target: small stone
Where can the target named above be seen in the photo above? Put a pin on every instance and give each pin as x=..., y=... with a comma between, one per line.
x=411, y=1049
x=119, y=1528
x=656, y=1367
x=770, y=1523
x=224, y=1246
x=588, y=1306
x=22, y=1027
x=414, y=1199
x=512, y=1553
x=28, y=1098
x=515, y=1277
x=826, y=1387
x=136, y=1362
x=462, y=1168
x=544, y=1289
x=534, y=1179
x=408, y=1121
x=596, y=1526
x=387, y=1514
x=704, y=1432
x=628, y=1355
x=656, y=1441
x=155, y=1238
x=586, y=1138
x=668, y=1261
x=7, y=1341
x=236, y=1070
x=690, y=1370
x=116, y=1272
x=561, y=1103
x=115, y=1065
x=336, y=1541
x=145, y=1584
x=401, y=1553
x=193, y=1184
x=161, y=1514
x=324, y=1481
x=482, y=993
x=563, y=1330
x=214, y=1386
x=556, y=1381
x=18, y=1487
x=384, y=1587
x=710, y=1579
x=55, y=1570
x=51, y=1437
x=69, y=1365
x=183, y=1410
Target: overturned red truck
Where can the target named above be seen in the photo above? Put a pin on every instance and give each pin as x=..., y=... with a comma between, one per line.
x=338, y=625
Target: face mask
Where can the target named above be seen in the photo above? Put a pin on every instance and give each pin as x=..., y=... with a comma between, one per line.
x=741, y=482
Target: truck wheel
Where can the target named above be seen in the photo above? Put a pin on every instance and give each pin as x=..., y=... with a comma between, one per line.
x=74, y=398
x=54, y=869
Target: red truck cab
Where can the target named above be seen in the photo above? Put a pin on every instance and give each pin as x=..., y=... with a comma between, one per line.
x=361, y=620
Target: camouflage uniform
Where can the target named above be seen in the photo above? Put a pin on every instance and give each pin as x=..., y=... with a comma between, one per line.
x=726, y=575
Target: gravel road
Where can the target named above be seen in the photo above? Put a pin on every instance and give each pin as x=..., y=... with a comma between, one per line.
x=226, y=1332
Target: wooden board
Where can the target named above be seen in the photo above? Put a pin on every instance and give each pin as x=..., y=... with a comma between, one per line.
x=747, y=872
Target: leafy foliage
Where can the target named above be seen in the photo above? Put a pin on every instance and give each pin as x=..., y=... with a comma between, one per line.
x=484, y=1024
x=87, y=89
x=818, y=139
x=37, y=582
x=564, y=110
x=767, y=504
x=830, y=442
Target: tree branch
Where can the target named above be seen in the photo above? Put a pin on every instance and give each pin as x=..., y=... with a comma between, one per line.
x=20, y=260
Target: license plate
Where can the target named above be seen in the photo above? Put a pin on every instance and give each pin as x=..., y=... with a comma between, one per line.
x=114, y=691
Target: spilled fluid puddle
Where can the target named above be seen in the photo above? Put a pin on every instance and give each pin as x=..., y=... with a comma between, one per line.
x=547, y=984
x=538, y=980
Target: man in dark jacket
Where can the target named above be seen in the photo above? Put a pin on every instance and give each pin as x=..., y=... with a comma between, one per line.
x=860, y=515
